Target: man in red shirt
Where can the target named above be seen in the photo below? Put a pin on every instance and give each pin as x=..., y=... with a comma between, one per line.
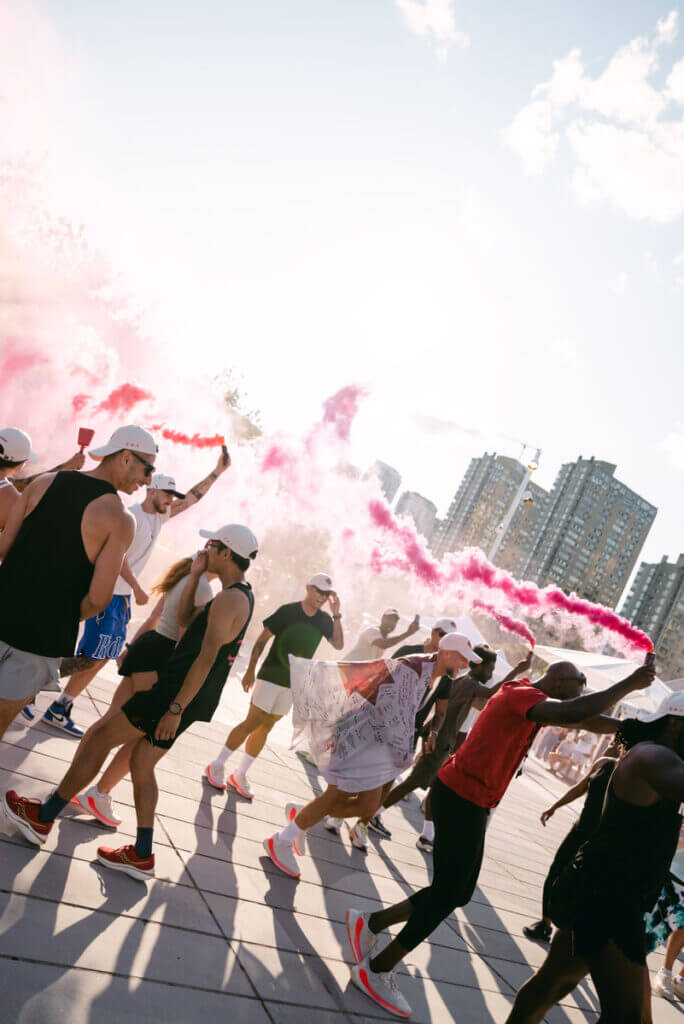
x=468, y=786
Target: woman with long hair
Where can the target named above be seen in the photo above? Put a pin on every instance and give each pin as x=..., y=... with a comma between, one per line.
x=139, y=664
x=598, y=901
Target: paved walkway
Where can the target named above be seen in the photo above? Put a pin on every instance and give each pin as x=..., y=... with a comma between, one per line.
x=221, y=932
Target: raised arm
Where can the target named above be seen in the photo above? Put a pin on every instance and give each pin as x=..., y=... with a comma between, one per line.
x=578, y=710
x=74, y=463
x=257, y=651
x=337, y=639
x=108, y=565
x=227, y=617
x=187, y=609
x=197, y=492
x=390, y=641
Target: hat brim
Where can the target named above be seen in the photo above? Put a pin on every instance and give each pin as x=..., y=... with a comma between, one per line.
x=167, y=490
x=474, y=658
x=208, y=534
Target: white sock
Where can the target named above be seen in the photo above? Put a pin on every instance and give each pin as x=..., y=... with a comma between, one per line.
x=245, y=764
x=66, y=699
x=429, y=831
x=291, y=832
x=223, y=755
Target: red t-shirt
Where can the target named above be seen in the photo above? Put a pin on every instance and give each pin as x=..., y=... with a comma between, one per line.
x=483, y=766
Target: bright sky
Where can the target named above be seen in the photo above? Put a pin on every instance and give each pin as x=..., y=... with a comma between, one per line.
x=474, y=209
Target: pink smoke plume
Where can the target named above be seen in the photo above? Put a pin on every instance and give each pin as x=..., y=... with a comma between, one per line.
x=17, y=360
x=192, y=440
x=471, y=566
x=340, y=409
x=79, y=402
x=276, y=457
x=123, y=399
x=505, y=621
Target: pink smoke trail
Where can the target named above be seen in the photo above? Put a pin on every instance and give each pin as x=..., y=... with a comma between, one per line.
x=17, y=360
x=505, y=621
x=123, y=398
x=471, y=566
x=79, y=402
x=277, y=457
x=193, y=440
x=340, y=409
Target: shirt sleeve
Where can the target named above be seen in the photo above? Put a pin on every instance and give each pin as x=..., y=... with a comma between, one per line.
x=522, y=698
x=277, y=619
x=327, y=625
x=443, y=688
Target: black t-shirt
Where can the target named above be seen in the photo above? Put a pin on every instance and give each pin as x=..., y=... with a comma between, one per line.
x=407, y=649
x=294, y=632
x=440, y=692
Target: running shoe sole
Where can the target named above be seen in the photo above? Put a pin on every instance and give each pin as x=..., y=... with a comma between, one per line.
x=127, y=869
x=268, y=847
x=212, y=782
x=233, y=785
x=23, y=826
x=360, y=978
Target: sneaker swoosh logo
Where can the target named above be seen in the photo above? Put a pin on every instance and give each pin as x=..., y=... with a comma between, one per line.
x=98, y=814
x=378, y=999
x=277, y=862
x=357, y=938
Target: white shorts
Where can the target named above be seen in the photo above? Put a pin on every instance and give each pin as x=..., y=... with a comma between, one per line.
x=275, y=700
x=23, y=674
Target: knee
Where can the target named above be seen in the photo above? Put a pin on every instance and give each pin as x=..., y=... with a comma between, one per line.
x=367, y=806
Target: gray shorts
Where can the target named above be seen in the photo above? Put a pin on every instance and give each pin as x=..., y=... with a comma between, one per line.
x=23, y=674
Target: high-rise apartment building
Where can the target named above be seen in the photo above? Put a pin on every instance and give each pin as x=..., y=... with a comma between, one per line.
x=655, y=603
x=422, y=511
x=389, y=477
x=480, y=504
x=593, y=531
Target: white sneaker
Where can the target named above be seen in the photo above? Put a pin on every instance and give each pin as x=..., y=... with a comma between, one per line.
x=662, y=986
x=291, y=812
x=239, y=783
x=332, y=825
x=100, y=805
x=282, y=854
x=359, y=836
x=678, y=985
x=382, y=989
x=361, y=938
x=215, y=774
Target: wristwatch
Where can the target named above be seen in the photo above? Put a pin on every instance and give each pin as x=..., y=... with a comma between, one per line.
x=337, y=616
x=175, y=708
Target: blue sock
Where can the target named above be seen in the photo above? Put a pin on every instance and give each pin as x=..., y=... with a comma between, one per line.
x=143, y=842
x=49, y=810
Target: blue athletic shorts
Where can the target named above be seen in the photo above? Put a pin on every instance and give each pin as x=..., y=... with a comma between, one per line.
x=104, y=635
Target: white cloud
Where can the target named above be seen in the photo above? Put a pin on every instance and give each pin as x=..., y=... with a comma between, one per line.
x=625, y=135
x=673, y=446
x=434, y=19
x=619, y=283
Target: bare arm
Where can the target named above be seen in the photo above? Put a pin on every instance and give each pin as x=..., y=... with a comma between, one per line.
x=141, y=596
x=390, y=641
x=604, y=725
x=108, y=566
x=257, y=651
x=580, y=709
x=663, y=770
x=152, y=619
x=75, y=462
x=16, y=516
x=227, y=617
x=337, y=639
x=578, y=790
x=197, y=492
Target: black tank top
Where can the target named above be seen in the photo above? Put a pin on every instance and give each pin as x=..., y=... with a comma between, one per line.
x=588, y=821
x=631, y=850
x=203, y=705
x=47, y=573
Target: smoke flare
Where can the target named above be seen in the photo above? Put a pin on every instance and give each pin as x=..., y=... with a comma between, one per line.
x=505, y=621
x=121, y=399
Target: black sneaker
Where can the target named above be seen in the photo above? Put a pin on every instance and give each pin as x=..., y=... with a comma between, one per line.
x=539, y=932
x=377, y=826
x=425, y=844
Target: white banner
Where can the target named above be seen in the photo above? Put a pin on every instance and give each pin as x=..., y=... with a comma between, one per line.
x=357, y=717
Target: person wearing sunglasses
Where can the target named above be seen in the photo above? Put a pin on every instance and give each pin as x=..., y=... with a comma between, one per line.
x=104, y=635
x=296, y=628
x=61, y=551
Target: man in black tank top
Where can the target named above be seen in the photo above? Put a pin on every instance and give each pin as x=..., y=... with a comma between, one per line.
x=187, y=690
x=61, y=550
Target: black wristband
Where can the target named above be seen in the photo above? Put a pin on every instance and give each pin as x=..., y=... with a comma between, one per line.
x=337, y=616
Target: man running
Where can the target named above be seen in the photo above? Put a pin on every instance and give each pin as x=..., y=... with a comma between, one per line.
x=104, y=635
x=468, y=786
x=358, y=833
x=188, y=690
x=369, y=743
x=297, y=629
x=62, y=549
x=376, y=639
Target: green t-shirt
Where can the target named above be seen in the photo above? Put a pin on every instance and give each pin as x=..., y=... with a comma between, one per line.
x=294, y=632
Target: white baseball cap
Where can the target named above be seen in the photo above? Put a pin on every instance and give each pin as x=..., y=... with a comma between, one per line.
x=459, y=642
x=321, y=581
x=238, y=538
x=672, y=705
x=446, y=625
x=128, y=438
x=165, y=483
x=15, y=446
x=391, y=611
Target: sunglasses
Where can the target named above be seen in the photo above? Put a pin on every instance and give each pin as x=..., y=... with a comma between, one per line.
x=149, y=468
x=217, y=544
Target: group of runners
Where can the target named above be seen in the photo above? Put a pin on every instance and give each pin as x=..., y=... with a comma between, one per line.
x=70, y=552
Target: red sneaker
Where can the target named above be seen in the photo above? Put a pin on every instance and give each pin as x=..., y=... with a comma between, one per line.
x=127, y=860
x=23, y=813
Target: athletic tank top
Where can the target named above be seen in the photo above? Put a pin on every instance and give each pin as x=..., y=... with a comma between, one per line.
x=47, y=573
x=631, y=850
x=204, y=703
x=589, y=819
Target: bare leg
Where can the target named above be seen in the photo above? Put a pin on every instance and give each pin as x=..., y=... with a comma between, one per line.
x=383, y=793
x=143, y=761
x=673, y=948
x=119, y=766
x=237, y=736
x=9, y=709
x=399, y=792
x=92, y=752
x=257, y=738
x=79, y=680
x=117, y=769
x=338, y=804
x=646, y=1012
x=620, y=986
x=560, y=973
